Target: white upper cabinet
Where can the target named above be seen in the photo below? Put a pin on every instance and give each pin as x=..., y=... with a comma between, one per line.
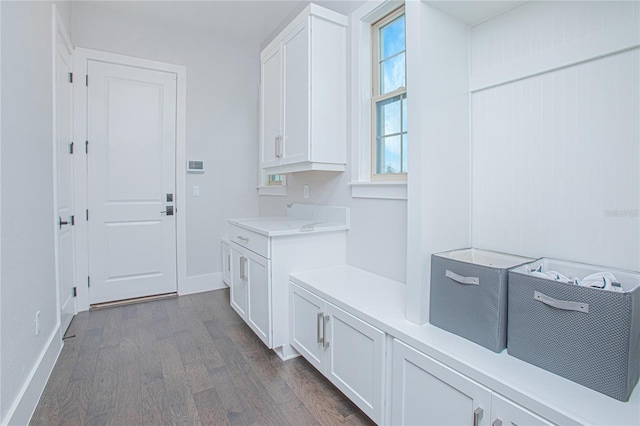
x=303, y=103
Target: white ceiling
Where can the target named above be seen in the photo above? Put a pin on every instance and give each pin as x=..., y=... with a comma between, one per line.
x=254, y=21
x=473, y=12
x=247, y=20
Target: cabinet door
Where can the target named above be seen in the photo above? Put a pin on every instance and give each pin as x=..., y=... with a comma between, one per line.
x=295, y=48
x=307, y=312
x=226, y=263
x=426, y=392
x=507, y=413
x=271, y=107
x=238, y=281
x=355, y=360
x=259, y=296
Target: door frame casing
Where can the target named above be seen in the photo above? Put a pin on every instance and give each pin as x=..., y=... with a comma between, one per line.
x=80, y=132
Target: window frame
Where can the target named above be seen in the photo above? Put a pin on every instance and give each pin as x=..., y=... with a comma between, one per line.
x=376, y=97
x=361, y=184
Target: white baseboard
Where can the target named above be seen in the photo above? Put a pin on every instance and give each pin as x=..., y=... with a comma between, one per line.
x=200, y=283
x=27, y=399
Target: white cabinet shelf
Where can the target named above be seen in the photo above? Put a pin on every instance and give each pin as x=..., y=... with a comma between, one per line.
x=303, y=95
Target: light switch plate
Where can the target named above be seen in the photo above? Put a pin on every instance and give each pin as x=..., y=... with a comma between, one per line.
x=196, y=191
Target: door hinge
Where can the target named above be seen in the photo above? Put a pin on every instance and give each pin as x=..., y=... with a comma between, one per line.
x=86, y=80
x=73, y=220
x=88, y=281
x=86, y=147
x=71, y=148
x=70, y=77
x=87, y=214
x=74, y=292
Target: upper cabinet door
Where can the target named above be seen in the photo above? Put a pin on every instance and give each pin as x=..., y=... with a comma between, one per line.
x=271, y=108
x=303, y=96
x=296, y=95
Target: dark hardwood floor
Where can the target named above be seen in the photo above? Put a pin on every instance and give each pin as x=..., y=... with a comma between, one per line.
x=186, y=360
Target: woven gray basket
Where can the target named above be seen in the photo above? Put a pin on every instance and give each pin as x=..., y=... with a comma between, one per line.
x=587, y=335
x=469, y=294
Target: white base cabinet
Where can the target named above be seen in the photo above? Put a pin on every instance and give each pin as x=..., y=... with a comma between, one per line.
x=260, y=268
x=251, y=291
x=426, y=392
x=347, y=350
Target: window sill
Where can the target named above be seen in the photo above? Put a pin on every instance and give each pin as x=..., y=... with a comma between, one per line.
x=380, y=190
x=274, y=190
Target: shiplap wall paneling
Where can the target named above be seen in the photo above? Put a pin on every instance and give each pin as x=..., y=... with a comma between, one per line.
x=541, y=36
x=555, y=164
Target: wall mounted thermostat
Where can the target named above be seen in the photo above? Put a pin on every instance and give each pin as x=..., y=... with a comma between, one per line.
x=195, y=166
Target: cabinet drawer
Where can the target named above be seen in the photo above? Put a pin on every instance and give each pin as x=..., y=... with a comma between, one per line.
x=253, y=241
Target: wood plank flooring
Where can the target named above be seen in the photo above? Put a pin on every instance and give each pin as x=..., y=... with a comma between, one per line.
x=189, y=360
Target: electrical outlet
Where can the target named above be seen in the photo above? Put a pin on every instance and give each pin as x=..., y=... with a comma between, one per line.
x=306, y=191
x=196, y=191
x=37, y=323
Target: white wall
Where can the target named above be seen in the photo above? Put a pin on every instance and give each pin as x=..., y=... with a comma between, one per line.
x=557, y=154
x=377, y=240
x=222, y=117
x=27, y=254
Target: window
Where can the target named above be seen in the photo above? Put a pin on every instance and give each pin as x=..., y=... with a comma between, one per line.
x=272, y=184
x=389, y=98
x=274, y=180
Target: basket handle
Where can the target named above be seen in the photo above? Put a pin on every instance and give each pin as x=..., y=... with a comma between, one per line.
x=566, y=305
x=461, y=279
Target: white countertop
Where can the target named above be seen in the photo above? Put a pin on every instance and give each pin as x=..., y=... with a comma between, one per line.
x=283, y=225
x=381, y=302
x=300, y=219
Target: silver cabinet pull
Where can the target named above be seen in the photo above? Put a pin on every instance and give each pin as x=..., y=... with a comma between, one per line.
x=497, y=422
x=277, y=138
x=325, y=341
x=243, y=267
x=319, y=324
x=229, y=262
x=279, y=146
x=477, y=415
x=242, y=238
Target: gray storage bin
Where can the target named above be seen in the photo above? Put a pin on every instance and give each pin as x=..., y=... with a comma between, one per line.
x=588, y=335
x=469, y=294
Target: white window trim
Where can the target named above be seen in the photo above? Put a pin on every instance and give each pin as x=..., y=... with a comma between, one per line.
x=362, y=186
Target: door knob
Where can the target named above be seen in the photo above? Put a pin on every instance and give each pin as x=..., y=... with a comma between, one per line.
x=61, y=222
x=168, y=211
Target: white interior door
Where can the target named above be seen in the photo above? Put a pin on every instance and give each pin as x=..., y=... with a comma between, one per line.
x=64, y=178
x=131, y=182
